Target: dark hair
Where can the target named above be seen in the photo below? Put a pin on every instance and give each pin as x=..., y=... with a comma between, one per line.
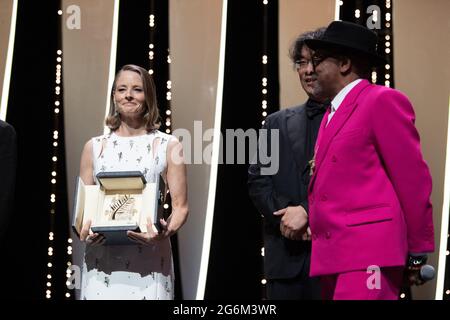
x=295, y=51
x=150, y=107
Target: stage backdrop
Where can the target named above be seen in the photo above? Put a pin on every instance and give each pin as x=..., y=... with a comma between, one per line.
x=195, y=28
x=422, y=71
x=296, y=17
x=194, y=44
x=86, y=53
x=5, y=24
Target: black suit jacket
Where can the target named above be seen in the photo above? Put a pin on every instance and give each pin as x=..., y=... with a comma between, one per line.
x=8, y=157
x=284, y=258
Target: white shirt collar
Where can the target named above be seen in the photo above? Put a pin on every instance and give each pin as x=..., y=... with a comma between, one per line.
x=337, y=101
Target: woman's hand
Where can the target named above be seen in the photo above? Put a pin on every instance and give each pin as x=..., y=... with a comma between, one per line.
x=86, y=235
x=146, y=238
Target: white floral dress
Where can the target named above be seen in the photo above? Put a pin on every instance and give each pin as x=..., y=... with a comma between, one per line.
x=129, y=271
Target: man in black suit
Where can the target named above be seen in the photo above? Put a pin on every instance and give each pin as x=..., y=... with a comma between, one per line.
x=282, y=197
x=8, y=157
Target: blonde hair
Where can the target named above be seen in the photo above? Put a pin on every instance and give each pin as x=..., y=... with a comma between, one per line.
x=150, y=107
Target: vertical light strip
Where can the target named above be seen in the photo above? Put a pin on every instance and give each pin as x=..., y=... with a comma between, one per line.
x=112, y=58
x=53, y=175
x=388, y=42
x=151, y=56
x=264, y=92
x=68, y=270
x=168, y=121
x=445, y=219
x=214, y=161
x=151, y=46
x=48, y=291
x=8, y=65
x=337, y=9
x=264, y=61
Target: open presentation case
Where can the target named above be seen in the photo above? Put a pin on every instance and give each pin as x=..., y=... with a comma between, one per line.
x=121, y=201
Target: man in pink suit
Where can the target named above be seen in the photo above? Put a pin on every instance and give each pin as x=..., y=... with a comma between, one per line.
x=369, y=195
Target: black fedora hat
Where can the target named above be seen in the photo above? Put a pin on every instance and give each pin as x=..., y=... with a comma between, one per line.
x=349, y=36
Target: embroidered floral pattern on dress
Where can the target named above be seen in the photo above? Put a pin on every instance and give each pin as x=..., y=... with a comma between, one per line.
x=129, y=271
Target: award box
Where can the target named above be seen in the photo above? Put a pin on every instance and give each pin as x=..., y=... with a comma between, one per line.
x=121, y=201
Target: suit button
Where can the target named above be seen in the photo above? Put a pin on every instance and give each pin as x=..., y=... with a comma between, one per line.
x=328, y=235
x=323, y=198
x=333, y=159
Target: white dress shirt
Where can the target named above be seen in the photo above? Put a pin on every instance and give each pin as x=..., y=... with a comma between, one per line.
x=336, y=102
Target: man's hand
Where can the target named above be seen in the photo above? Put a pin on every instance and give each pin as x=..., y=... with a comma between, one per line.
x=307, y=235
x=412, y=276
x=413, y=267
x=294, y=222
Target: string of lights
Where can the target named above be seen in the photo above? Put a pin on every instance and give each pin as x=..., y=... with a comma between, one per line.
x=446, y=295
x=388, y=51
x=151, y=46
x=54, y=169
x=168, y=123
x=264, y=61
x=264, y=94
x=376, y=15
x=166, y=107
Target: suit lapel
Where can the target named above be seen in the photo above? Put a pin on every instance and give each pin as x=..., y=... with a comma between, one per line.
x=337, y=122
x=319, y=138
x=296, y=131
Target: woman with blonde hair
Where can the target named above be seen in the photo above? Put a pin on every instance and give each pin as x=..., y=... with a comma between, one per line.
x=144, y=270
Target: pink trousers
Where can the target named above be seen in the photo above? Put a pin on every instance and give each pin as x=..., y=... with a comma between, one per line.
x=361, y=285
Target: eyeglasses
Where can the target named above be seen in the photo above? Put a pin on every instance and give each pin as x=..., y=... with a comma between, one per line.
x=315, y=61
x=303, y=63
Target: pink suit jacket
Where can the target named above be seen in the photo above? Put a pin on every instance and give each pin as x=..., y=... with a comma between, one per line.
x=369, y=196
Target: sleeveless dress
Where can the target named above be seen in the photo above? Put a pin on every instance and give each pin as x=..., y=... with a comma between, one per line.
x=128, y=272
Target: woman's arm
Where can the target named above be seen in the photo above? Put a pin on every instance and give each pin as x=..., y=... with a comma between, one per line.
x=86, y=165
x=86, y=174
x=177, y=181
